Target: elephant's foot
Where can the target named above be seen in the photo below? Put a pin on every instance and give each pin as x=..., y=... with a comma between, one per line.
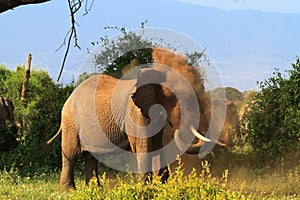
x=65, y=187
x=164, y=173
x=93, y=179
x=147, y=177
x=66, y=184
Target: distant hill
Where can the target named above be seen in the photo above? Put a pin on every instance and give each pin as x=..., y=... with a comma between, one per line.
x=232, y=94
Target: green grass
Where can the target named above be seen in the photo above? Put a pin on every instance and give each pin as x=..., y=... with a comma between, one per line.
x=196, y=185
x=13, y=186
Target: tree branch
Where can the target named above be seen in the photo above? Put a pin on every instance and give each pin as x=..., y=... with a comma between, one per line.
x=10, y=4
x=74, y=6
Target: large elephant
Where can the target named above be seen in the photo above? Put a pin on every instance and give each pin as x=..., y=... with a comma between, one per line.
x=6, y=110
x=106, y=115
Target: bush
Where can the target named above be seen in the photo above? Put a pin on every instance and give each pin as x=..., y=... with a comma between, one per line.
x=274, y=120
x=37, y=119
x=8, y=137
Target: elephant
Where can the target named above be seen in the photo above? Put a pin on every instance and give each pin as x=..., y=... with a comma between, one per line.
x=231, y=126
x=105, y=115
x=243, y=118
x=6, y=110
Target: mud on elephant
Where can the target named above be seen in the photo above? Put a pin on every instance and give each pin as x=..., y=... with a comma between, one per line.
x=105, y=115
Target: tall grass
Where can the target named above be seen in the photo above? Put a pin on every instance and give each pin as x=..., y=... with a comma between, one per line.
x=179, y=186
x=196, y=185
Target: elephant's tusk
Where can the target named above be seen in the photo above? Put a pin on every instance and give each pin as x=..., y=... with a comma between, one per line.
x=205, y=139
x=198, y=135
x=219, y=143
x=177, y=139
x=176, y=132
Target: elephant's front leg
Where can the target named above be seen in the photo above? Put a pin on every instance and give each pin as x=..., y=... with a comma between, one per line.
x=141, y=147
x=144, y=162
x=157, y=143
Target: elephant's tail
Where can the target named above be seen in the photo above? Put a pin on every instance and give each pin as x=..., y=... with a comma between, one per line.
x=49, y=142
x=45, y=145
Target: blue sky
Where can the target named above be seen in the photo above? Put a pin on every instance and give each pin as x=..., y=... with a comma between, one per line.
x=287, y=6
x=246, y=40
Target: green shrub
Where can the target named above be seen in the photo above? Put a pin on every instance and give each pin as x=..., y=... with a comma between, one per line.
x=8, y=137
x=274, y=120
x=37, y=119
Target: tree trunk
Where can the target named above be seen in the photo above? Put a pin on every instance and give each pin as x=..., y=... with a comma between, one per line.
x=10, y=4
x=26, y=79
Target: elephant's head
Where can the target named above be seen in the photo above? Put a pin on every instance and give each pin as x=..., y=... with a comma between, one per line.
x=8, y=108
x=179, y=88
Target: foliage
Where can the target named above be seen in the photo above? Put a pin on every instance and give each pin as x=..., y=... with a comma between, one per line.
x=35, y=120
x=133, y=49
x=117, y=54
x=8, y=137
x=248, y=96
x=194, y=186
x=274, y=120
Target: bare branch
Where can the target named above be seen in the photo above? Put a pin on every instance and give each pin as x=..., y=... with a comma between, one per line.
x=88, y=8
x=74, y=6
x=64, y=42
x=66, y=54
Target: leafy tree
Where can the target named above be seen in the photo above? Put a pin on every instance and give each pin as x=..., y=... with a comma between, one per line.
x=248, y=96
x=274, y=120
x=131, y=49
x=128, y=50
x=4, y=75
x=36, y=121
x=8, y=133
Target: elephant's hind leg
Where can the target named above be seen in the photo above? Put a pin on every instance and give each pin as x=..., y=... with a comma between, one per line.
x=71, y=150
x=91, y=167
x=67, y=173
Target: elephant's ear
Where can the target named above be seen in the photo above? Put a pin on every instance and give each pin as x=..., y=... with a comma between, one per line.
x=147, y=88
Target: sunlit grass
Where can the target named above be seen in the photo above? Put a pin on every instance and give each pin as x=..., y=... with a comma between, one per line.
x=196, y=185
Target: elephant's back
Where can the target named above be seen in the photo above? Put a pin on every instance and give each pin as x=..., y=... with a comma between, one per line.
x=87, y=91
x=94, y=81
x=91, y=108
